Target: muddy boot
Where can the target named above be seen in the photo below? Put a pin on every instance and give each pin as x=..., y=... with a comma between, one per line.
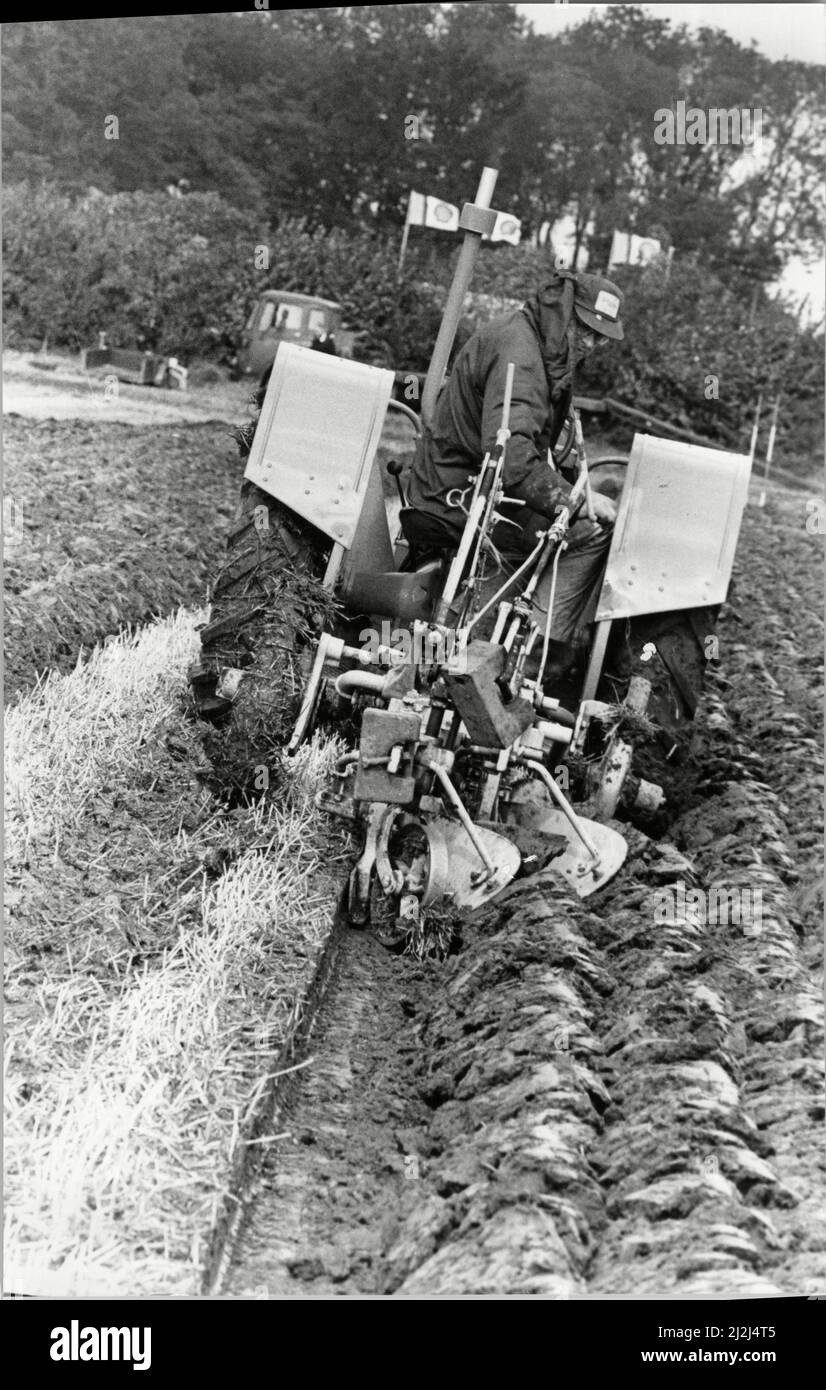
x=558, y=661
x=393, y=935
x=560, y=676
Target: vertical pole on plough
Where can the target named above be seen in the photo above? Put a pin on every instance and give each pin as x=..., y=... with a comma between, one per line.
x=476, y=219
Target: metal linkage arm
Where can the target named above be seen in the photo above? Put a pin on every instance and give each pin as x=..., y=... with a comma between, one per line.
x=484, y=500
x=459, y=806
x=563, y=804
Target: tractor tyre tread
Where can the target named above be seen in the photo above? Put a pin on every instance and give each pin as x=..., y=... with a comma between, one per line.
x=266, y=604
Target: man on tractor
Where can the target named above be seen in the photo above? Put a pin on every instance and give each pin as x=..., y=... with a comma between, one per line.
x=546, y=339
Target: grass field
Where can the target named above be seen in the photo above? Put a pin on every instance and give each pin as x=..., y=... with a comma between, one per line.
x=155, y=952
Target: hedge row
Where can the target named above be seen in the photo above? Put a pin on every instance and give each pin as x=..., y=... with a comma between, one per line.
x=179, y=275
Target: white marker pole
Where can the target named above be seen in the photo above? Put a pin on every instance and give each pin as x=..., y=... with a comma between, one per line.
x=405, y=234
x=753, y=445
x=755, y=427
x=769, y=451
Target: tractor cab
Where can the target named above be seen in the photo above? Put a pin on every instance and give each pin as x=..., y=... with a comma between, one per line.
x=280, y=316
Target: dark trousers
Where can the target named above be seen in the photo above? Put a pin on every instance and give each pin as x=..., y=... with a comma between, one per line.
x=579, y=574
x=578, y=582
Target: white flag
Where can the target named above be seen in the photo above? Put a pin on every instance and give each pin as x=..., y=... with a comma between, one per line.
x=629, y=249
x=562, y=236
x=506, y=228
x=443, y=216
x=415, y=209
x=423, y=210
x=645, y=249
x=620, y=248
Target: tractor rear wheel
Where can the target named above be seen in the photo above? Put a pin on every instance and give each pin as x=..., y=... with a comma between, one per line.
x=267, y=604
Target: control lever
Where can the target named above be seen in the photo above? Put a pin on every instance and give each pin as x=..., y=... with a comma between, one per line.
x=395, y=469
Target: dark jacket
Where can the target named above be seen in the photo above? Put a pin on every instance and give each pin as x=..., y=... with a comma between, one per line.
x=538, y=340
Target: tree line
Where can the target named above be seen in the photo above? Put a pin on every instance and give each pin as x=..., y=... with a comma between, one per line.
x=287, y=130
x=307, y=113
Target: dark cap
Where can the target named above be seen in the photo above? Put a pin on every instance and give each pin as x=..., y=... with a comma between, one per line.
x=597, y=304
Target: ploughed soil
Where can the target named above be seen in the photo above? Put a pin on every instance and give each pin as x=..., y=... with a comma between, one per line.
x=622, y=1096
x=107, y=525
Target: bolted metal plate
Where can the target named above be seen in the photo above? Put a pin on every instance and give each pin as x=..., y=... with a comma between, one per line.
x=676, y=530
x=455, y=864
x=317, y=436
x=574, y=864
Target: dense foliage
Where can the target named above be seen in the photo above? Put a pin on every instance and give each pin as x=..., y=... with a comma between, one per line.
x=695, y=354
x=333, y=114
x=179, y=275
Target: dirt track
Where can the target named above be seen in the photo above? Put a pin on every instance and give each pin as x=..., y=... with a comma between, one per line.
x=55, y=387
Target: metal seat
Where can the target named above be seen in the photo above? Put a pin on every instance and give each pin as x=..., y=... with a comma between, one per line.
x=408, y=596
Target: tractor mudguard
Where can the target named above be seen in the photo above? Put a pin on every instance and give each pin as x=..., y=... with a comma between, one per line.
x=319, y=461
x=676, y=530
